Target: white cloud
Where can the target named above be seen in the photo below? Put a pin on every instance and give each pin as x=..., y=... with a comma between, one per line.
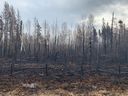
x=120, y=11
x=70, y=10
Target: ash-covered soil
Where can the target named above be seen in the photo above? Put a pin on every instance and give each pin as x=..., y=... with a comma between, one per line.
x=57, y=85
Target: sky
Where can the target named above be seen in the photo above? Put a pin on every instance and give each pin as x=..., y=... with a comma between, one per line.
x=70, y=11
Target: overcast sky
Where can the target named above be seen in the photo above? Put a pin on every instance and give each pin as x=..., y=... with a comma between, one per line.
x=70, y=11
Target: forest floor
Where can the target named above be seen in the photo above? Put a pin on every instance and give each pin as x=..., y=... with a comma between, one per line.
x=90, y=85
x=32, y=82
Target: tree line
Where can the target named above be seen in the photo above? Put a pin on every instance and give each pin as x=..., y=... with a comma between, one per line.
x=82, y=44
